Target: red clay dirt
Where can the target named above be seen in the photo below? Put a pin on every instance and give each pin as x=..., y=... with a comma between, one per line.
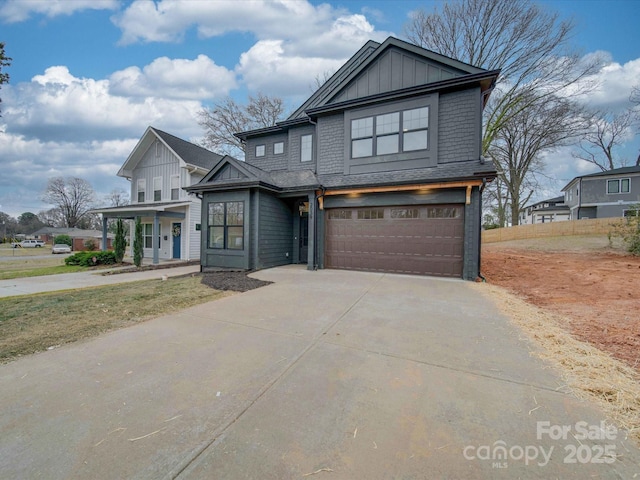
x=598, y=291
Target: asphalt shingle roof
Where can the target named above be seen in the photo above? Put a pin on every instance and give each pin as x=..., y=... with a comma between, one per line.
x=189, y=152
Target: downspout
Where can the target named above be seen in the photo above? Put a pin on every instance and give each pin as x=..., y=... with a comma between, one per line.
x=315, y=227
x=482, y=187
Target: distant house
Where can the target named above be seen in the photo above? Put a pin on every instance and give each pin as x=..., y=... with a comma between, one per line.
x=379, y=170
x=613, y=193
x=159, y=167
x=545, y=211
x=78, y=237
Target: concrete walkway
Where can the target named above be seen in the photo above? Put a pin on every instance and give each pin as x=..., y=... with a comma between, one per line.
x=72, y=281
x=323, y=375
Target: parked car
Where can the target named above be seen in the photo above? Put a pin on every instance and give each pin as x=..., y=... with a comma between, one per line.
x=61, y=248
x=32, y=243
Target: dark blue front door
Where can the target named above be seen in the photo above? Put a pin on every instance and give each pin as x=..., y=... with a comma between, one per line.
x=176, y=233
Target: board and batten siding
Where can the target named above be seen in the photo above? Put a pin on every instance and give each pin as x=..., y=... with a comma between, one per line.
x=193, y=237
x=164, y=164
x=275, y=230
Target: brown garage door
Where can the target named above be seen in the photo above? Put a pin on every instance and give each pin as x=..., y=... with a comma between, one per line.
x=422, y=239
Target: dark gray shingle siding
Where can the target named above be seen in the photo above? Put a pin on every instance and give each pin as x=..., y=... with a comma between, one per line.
x=458, y=116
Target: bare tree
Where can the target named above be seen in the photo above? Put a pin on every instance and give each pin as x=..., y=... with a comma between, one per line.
x=608, y=131
x=527, y=43
x=4, y=62
x=118, y=197
x=228, y=117
x=51, y=217
x=543, y=126
x=530, y=46
x=73, y=196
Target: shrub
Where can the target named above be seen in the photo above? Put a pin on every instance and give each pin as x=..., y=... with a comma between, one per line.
x=138, y=251
x=629, y=230
x=90, y=244
x=63, y=239
x=119, y=244
x=91, y=259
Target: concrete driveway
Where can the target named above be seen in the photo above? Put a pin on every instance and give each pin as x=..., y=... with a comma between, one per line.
x=323, y=375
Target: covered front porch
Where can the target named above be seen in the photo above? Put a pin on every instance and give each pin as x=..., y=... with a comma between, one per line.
x=162, y=229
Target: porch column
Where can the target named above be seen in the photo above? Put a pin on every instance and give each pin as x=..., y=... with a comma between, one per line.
x=312, y=232
x=104, y=232
x=156, y=238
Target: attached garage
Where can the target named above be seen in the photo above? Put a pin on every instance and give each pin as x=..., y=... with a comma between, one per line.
x=415, y=239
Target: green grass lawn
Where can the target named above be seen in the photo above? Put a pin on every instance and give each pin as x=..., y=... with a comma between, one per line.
x=32, y=262
x=32, y=323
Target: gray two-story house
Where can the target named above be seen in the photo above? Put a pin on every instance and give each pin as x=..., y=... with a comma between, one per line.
x=379, y=170
x=613, y=193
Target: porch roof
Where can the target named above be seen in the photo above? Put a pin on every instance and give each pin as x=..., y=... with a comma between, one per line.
x=165, y=209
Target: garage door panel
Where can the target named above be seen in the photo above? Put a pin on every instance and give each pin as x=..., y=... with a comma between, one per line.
x=430, y=242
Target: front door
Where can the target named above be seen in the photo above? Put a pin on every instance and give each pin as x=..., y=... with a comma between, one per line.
x=304, y=236
x=176, y=233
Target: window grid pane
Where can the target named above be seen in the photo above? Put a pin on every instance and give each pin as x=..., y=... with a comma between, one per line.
x=259, y=150
x=613, y=186
x=278, y=148
x=362, y=128
x=389, y=123
x=415, y=119
x=362, y=148
x=624, y=185
x=417, y=140
x=387, y=144
x=306, y=148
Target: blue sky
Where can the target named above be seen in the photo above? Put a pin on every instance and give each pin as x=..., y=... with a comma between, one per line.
x=88, y=76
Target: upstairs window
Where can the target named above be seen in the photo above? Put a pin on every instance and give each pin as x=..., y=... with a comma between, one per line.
x=381, y=134
x=306, y=148
x=175, y=187
x=259, y=150
x=157, y=189
x=278, y=148
x=141, y=187
x=619, y=185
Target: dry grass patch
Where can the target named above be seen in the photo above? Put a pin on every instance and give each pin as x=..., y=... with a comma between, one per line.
x=588, y=371
x=33, y=323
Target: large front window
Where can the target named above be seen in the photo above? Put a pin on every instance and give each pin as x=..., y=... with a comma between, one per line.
x=226, y=225
x=382, y=135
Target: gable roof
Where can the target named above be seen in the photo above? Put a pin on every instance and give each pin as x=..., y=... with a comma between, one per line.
x=186, y=152
x=384, y=70
x=231, y=173
x=607, y=173
x=423, y=66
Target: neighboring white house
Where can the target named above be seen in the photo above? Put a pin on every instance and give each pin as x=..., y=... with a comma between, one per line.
x=545, y=211
x=158, y=168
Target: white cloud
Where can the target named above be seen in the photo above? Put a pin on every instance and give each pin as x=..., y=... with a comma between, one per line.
x=12, y=11
x=614, y=82
x=310, y=30
x=29, y=163
x=59, y=105
x=179, y=78
x=267, y=68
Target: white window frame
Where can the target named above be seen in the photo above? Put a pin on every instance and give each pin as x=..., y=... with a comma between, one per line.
x=141, y=187
x=619, y=181
x=149, y=236
x=175, y=187
x=157, y=188
x=281, y=149
x=261, y=150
